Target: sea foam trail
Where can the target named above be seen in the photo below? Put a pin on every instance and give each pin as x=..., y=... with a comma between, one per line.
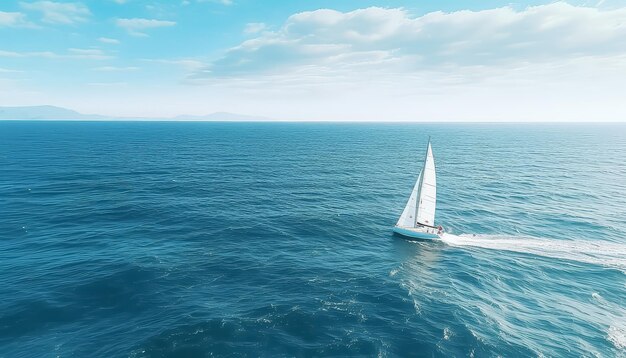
x=607, y=254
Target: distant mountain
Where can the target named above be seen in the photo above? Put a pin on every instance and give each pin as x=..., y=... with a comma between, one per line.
x=43, y=112
x=53, y=112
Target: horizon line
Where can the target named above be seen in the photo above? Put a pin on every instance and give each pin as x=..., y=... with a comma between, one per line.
x=170, y=120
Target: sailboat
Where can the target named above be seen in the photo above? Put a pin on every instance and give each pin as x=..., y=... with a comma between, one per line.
x=418, y=218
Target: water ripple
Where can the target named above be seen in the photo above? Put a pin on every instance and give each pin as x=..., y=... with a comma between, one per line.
x=258, y=239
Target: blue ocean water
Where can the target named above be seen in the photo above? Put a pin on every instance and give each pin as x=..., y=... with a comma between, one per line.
x=154, y=239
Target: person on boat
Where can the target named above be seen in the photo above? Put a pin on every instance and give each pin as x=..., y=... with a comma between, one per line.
x=439, y=230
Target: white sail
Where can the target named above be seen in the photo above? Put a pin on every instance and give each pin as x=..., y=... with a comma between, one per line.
x=427, y=191
x=407, y=219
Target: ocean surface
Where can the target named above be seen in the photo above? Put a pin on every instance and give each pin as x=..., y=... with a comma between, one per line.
x=156, y=239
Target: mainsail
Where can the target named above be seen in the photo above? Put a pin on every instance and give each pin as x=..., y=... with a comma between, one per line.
x=420, y=209
x=427, y=193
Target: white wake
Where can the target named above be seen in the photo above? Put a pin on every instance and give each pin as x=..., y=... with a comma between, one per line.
x=603, y=253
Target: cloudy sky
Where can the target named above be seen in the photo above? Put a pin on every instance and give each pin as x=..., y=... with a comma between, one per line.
x=347, y=60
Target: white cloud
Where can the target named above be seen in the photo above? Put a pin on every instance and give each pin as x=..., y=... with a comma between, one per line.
x=108, y=40
x=116, y=69
x=254, y=27
x=136, y=26
x=161, y=10
x=393, y=40
x=6, y=70
x=14, y=19
x=555, y=62
x=72, y=53
x=107, y=84
x=59, y=13
x=187, y=64
x=45, y=54
x=223, y=2
x=93, y=54
x=549, y=62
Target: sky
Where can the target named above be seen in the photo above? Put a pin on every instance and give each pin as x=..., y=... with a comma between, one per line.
x=343, y=60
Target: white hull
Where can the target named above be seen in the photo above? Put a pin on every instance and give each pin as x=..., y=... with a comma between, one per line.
x=423, y=232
